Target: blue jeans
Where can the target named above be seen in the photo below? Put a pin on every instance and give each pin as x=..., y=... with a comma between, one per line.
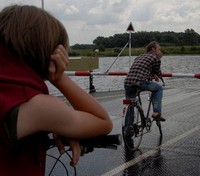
x=150, y=86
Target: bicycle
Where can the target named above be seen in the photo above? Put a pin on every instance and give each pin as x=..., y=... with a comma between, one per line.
x=87, y=146
x=141, y=123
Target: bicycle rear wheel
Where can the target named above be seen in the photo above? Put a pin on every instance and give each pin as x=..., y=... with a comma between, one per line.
x=132, y=132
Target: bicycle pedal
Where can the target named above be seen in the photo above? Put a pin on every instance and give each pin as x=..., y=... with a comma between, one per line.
x=149, y=122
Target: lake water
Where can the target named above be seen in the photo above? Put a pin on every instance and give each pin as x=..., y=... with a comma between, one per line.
x=172, y=64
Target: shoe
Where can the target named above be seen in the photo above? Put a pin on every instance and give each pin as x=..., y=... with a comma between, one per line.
x=158, y=118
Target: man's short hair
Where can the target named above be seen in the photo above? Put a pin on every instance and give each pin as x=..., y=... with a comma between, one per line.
x=151, y=45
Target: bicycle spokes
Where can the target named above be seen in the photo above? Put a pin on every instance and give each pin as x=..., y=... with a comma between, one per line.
x=132, y=132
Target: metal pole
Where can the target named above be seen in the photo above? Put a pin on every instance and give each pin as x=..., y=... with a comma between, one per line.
x=117, y=57
x=130, y=29
x=129, y=49
x=42, y=1
x=91, y=86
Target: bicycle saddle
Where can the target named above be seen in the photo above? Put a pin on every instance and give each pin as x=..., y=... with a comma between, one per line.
x=136, y=88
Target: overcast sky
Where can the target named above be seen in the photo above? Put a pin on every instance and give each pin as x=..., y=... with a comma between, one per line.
x=87, y=19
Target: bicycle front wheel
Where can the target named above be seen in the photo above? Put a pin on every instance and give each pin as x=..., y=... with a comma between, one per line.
x=133, y=131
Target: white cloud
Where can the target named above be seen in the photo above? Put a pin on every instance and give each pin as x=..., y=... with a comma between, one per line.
x=71, y=10
x=87, y=19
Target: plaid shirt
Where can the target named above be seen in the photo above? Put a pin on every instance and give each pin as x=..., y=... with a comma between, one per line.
x=143, y=68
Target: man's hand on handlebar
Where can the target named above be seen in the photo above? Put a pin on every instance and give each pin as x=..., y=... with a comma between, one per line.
x=156, y=78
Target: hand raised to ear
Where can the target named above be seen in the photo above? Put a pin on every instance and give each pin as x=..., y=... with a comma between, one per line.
x=58, y=63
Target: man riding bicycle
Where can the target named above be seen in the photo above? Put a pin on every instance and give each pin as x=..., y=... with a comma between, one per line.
x=145, y=67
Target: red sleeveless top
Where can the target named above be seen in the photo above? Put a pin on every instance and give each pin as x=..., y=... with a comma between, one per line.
x=18, y=84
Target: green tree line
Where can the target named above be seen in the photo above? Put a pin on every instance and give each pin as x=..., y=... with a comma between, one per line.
x=187, y=42
x=140, y=39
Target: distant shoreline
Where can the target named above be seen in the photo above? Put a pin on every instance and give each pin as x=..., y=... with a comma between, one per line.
x=113, y=52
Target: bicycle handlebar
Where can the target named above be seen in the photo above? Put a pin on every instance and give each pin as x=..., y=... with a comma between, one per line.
x=163, y=82
x=88, y=145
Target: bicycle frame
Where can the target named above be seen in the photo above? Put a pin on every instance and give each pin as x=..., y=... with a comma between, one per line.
x=143, y=116
x=146, y=117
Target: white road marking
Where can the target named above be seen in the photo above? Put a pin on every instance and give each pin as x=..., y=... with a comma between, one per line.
x=149, y=153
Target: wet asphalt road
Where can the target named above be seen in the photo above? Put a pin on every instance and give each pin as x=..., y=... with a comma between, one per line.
x=178, y=154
